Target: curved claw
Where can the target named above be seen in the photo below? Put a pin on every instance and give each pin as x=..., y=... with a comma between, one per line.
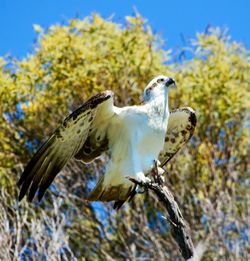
x=142, y=181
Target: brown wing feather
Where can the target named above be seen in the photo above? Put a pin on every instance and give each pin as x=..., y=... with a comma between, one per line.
x=181, y=126
x=64, y=143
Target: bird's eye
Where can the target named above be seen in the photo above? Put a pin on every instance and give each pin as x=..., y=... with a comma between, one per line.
x=160, y=80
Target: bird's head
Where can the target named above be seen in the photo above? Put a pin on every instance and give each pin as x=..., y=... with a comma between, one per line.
x=158, y=87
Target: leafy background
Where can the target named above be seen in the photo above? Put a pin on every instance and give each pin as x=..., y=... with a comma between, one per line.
x=209, y=178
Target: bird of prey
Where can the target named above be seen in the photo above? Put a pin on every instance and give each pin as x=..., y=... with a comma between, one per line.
x=136, y=136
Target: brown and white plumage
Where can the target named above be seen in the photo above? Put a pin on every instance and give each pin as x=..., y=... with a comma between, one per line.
x=82, y=135
x=134, y=135
x=181, y=126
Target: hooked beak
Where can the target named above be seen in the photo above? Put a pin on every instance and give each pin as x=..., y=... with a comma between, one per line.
x=171, y=83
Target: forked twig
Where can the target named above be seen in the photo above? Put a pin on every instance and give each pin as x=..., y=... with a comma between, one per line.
x=179, y=228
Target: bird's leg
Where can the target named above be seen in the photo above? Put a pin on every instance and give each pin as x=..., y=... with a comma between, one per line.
x=140, y=176
x=142, y=179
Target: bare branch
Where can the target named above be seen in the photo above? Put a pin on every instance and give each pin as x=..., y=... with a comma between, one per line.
x=179, y=228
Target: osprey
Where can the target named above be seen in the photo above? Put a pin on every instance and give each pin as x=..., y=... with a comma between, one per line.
x=136, y=137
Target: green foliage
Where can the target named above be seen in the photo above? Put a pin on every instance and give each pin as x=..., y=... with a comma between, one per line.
x=209, y=177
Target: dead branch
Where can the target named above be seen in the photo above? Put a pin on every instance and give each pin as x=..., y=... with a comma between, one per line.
x=179, y=228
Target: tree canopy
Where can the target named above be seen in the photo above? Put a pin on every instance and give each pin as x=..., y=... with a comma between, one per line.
x=209, y=177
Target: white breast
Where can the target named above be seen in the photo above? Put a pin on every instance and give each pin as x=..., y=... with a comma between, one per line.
x=136, y=141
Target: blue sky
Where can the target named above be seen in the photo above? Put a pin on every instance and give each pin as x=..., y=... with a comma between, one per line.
x=171, y=18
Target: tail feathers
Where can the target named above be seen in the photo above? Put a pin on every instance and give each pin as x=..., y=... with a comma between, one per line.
x=118, y=204
x=119, y=193
x=97, y=191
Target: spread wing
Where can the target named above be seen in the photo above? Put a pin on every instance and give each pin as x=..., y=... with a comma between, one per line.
x=82, y=134
x=181, y=126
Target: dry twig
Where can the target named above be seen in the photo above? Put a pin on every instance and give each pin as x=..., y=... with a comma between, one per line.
x=179, y=228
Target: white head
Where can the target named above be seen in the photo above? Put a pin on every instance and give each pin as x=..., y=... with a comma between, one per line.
x=158, y=87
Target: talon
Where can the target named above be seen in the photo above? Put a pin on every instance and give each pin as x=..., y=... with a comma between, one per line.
x=147, y=180
x=161, y=171
x=142, y=178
